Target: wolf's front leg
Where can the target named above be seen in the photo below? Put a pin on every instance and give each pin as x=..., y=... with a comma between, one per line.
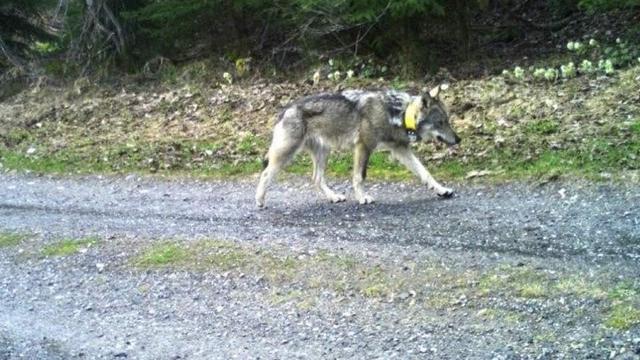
x=408, y=159
x=360, y=159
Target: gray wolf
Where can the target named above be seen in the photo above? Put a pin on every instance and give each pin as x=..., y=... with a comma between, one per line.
x=363, y=121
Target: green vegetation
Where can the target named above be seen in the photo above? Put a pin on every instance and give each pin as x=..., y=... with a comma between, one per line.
x=297, y=279
x=67, y=247
x=162, y=255
x=624, y=312
x=542, y=127
x=623, y=317
x=533, y=290
x=586, y=159
x=210, y=115
x=150, y=36
x=592, y=57
x=8, y=239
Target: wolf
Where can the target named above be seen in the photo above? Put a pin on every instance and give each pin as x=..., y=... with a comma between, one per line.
x=363, y=121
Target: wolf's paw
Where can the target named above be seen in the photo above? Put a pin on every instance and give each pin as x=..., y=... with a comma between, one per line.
x=366, y=199
x=260, y=203
x=336, y=198
x=444, y=192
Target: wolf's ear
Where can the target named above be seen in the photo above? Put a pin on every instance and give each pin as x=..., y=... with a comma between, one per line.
x=434, y=92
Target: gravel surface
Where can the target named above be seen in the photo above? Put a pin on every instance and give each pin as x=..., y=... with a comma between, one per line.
x=97, y=304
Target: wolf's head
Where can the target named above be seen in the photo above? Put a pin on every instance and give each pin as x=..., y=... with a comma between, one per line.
x=433, y=120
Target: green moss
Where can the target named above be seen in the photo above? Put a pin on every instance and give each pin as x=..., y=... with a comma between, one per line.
x=375, y=290
x=515, y=281
x=533, y=290
x=218, y=255
x=623, y=317
x=580, y=287
x=162, y=255
x=625, y=291
x=11, y=239
x=68, y=246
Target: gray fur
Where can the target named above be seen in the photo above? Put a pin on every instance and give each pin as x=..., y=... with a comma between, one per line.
x=358, y=120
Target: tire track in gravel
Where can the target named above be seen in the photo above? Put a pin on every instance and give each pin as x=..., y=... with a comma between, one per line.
x=560, y=220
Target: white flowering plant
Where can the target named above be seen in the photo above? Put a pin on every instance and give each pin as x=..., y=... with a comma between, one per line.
x=538, y=74
x=518, y=73
x=341, y=69
x=586, y=67
x=568, y=71
x=606, y=66
x=551, y=74
x=228, y=78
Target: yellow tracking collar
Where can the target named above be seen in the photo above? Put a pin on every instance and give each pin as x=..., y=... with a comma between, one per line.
x=411, y=115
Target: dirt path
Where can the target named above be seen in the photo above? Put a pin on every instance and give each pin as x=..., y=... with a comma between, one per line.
x=514, y=271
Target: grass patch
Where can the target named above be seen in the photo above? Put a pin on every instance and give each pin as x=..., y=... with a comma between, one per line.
x=542, y=127
x=298, y=279
x=533, y=290
x=515, y=281
x=182, y=157
x=624, y=312
x=625, y=291
x=11, y=239
x=623, y=317
x=162, y=255
x=214, y=254
x=579, y=287
x=68, y=246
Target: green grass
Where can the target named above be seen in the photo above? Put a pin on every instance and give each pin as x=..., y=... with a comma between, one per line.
x=542, y=127
x=624, y=312
x=623, y=317
x=67, y=247
x=162, y=255
x=533, y=290
x=203, y=254
x=11, y=239
x=624, y=291
x=300, y=278
x=587, y=159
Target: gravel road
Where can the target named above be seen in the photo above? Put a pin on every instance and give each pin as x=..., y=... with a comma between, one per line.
x=96, y=304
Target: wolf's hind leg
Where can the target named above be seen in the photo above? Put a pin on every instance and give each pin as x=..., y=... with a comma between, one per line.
x=320, y=156
x=284, y=146
x=408, y=159
x=360, y=159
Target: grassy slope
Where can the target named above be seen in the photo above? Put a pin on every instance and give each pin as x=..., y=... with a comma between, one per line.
x=584, y=127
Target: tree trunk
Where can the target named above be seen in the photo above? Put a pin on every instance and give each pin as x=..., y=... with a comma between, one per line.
x=462, y=17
